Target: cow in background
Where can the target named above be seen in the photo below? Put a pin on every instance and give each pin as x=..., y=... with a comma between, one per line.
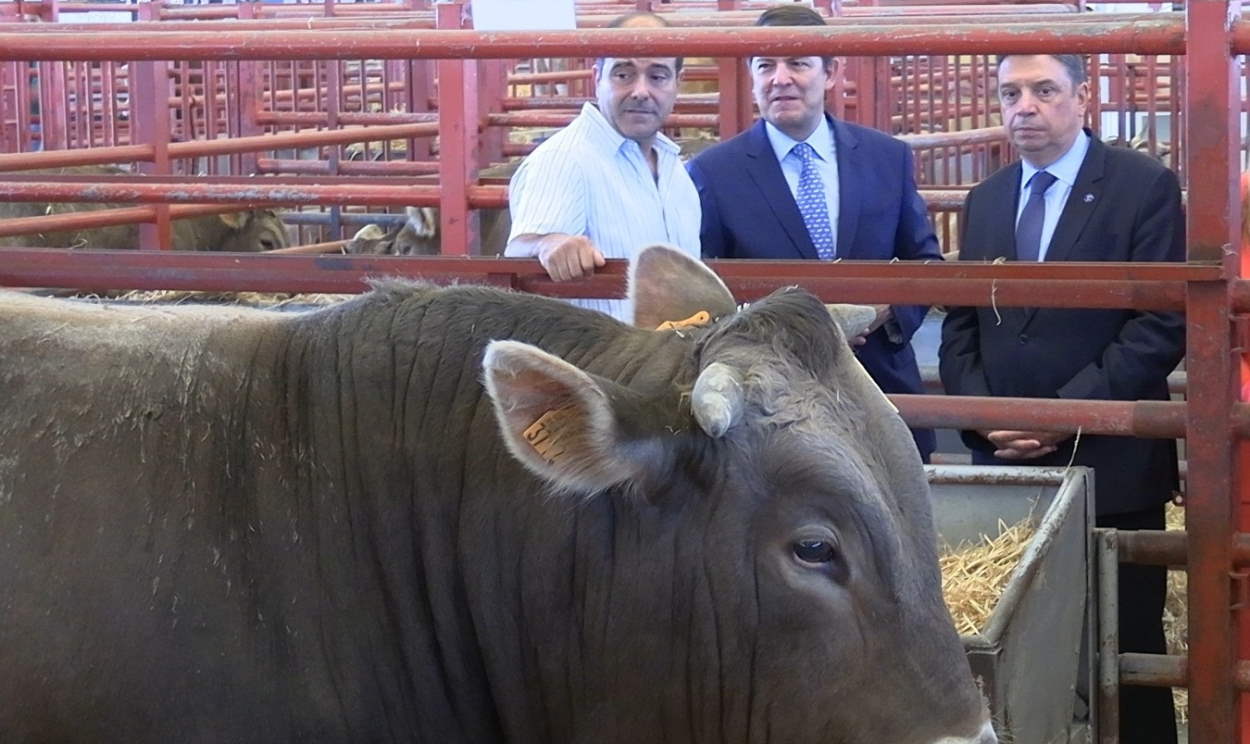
x=243, y=232
x=380, y=522
x=418, y=236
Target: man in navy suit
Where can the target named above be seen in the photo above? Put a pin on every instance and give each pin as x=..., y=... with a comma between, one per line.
x=801, y=184
x=1072, y=198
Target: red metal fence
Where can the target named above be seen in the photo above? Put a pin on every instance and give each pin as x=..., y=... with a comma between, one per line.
x=1208, y=34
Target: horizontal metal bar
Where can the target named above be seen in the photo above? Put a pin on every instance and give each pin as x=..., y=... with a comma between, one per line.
x=1154, y=670
x=1162, y=35
x=556, y=119
x=227, y=146
x=1158, y=670
x=1143, y=286
x=1170, y=548
x=349, y=167
x=1145, y=419
x=425, y=20
x=257, y=193
x=97, y=218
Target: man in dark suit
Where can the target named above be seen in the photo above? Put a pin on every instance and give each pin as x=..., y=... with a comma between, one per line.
x=801, y=184
x=1075, y=199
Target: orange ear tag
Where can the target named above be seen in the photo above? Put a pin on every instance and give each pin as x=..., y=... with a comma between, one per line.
x=701, y=318
x=545, y=434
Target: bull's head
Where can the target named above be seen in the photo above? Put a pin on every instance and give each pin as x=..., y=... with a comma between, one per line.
x=790, y=588
x=253, y=231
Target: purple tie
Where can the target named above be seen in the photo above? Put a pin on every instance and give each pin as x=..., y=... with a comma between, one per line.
x=812, y=205
x=1029, y=228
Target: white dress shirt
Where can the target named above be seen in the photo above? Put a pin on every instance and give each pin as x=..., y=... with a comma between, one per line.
x=1064, y=170
x=588, y=179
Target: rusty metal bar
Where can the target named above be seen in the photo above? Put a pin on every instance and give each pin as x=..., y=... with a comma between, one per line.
x=202, y=148
x=1159, y=670
x=1212, y=129
x=1161, y=35
x=95, y=218
x=1171, y=548
x=552, y=119
x=1108, y=637
x=1143, y=419
x=348, y=168
x=743, y=278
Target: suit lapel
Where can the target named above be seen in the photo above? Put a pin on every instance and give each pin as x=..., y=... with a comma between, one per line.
x=1084, y=198
x=764, y=169
x=1082, y=201
x=850, y=165
x=1003, y=205
x=1001, y=241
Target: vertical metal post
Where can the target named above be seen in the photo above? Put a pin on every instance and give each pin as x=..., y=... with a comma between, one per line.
x=457, y=140
x=149, y=107
x=246, y=79
x=733, y=83
x=1212, y=216
x=1107, y=542
x=492, y=87
x=334, y=104
x=10, y=108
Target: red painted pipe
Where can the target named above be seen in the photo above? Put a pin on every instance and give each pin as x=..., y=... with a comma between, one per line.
x=1163, y=35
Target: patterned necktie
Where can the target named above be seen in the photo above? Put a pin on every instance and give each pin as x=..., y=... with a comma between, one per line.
x=812, y=205
x=1029, y=228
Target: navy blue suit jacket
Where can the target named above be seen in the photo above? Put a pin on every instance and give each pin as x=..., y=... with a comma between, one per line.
x=749, y=212
x=1124, y=207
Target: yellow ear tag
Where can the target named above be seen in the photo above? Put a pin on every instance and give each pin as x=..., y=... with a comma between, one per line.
x=701, y=318
x=545, y=434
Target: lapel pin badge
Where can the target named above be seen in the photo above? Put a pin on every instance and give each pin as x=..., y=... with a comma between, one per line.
x=1089, y=198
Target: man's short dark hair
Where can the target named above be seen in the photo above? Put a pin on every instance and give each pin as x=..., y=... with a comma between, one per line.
x=624, y=21
x=793, y=14
x=1073, y=64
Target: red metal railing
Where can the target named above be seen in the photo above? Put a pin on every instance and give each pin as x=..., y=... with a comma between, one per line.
x=1206, y=288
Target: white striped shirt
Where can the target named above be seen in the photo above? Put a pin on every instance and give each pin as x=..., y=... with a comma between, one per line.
x=588, y=179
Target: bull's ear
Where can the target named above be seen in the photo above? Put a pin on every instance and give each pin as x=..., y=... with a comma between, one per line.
x=666, y=285
x=234, y=220
x=560, y=422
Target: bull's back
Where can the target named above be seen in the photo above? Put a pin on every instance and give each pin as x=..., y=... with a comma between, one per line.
x=111, y=549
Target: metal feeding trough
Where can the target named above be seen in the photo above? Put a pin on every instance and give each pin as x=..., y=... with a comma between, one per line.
x=1028, y=654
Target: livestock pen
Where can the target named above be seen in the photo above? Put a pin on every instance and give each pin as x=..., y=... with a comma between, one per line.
x=1208, y=35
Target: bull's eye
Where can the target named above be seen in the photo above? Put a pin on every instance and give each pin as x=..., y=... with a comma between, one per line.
x=814, y=551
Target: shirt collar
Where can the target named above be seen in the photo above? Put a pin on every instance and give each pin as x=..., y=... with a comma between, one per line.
x=598, y=127
x=1065, y=168
x=821, y=140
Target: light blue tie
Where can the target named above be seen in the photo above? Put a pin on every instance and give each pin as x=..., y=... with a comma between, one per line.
x=812, y=203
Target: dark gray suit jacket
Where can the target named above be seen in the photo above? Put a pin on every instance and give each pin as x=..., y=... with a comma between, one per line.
x=1124, y=207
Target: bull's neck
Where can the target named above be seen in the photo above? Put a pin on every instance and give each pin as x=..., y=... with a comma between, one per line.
x=471, y=563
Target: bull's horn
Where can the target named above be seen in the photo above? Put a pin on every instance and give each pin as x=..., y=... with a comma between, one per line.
x=717, y=399
x=852, y=319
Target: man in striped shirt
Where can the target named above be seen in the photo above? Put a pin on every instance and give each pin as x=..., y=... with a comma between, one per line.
x=608, y=184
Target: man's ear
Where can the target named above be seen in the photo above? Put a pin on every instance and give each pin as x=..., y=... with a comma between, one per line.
x=668, y=286
x=831, y=73
x=566, y=426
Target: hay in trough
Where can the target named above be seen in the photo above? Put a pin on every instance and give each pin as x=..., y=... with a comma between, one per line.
x=975, y=574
